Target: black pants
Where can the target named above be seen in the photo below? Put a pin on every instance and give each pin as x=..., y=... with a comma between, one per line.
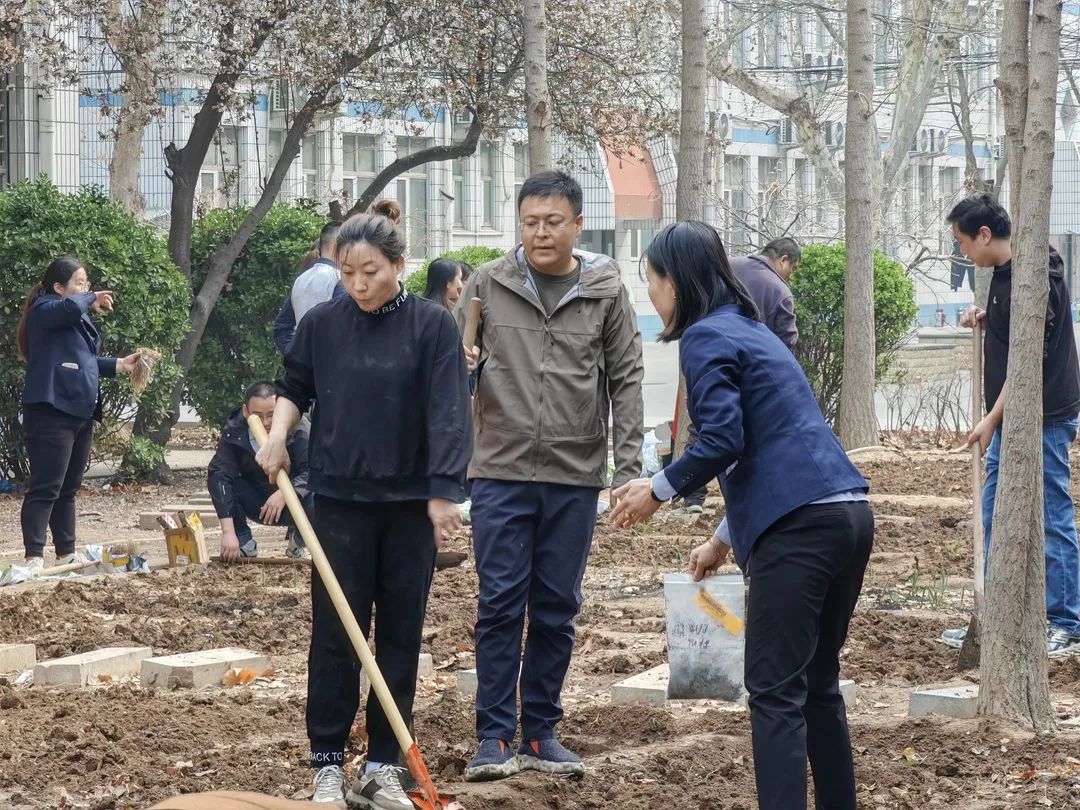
x=249, y=500
x=806, y=572
x=58, y=446
x=383, y=554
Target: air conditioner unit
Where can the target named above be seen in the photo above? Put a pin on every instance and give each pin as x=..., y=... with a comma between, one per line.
x=838, y=134
x=722, y=125
x=924, y=142
x=279, y=95
x=787, y=132
x=942, y=141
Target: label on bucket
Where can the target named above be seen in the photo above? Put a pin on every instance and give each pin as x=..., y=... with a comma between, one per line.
x=705, y=635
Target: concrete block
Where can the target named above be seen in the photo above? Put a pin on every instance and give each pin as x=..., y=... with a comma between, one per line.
x=649, y=687
x=850, y=691
x=466, y=682
x=86, y=668
x=148, y=520
x=959, y=700
x=17, y=657
x=198, y=669
x=1072, y=724
x=425, y=667
x=200, y=500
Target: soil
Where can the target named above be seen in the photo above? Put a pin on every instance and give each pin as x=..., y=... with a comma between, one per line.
x=115, y=745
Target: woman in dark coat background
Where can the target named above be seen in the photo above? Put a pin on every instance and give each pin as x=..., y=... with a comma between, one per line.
x=797, y=514
x=61, y=400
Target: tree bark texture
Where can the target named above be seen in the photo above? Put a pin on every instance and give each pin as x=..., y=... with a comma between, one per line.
x=690, y=183
x=1013, y=671
x=537, y=97
x=856, y=421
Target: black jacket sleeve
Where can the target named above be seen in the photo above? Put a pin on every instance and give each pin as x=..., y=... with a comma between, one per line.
x=297, y=384
x=223, y=471
x=449, y=414
x=298, y=461
x=285, y=326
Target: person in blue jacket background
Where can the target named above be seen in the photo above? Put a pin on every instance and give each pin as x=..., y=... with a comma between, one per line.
x=797, y=513
x=61, y=400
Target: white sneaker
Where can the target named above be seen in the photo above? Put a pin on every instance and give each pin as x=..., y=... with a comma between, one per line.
x=33, y=563
x=329, y=785
x=68, y=559
x=379, y=790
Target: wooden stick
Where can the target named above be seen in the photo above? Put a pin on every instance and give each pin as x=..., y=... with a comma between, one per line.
x=263, y=561
x=472, y=323
x=337, y=596
x=63, y=569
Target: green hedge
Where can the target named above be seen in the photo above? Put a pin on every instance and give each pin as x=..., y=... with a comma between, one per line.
x=37, y=224
x=818, y=289
x=238, y=347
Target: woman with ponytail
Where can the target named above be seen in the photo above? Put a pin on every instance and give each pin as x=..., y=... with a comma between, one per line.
x=61, y=400
x=390, y=443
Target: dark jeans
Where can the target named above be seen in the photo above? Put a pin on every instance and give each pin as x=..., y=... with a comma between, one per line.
x=531, y=542
x=250, y=499
x=806, y=572
x=383, y=555
x=58, y=446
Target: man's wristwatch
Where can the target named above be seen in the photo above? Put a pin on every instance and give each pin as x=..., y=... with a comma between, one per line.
x=655, y=497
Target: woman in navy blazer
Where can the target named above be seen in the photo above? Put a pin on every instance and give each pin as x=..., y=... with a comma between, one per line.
x=797, y=515
x=61, y=400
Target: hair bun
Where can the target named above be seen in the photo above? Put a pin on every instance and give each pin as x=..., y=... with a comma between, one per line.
x=390, y=209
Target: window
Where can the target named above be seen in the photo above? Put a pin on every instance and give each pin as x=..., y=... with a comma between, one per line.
x=598, y=242
x=640, y=238
x=736, y=199
x=210, y=183
x=310, y=165
x=767, y=184
x=927, y=214
x=358, y=163
x=488, y=167
x=905, y=201
x=459, y=193
x=521, y=174
x=802, y=185
x=411, y=191
x=275, y=142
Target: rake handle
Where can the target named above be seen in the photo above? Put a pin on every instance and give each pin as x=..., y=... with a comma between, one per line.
x=977, y=466
x=341, y=605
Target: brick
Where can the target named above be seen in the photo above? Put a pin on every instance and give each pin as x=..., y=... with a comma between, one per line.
x=466, y=682
x=17, y=657
x=649, y=687
x=86, y=668
x=198, y=669
x=952, y=701
x=425, y=666
x=850, y=692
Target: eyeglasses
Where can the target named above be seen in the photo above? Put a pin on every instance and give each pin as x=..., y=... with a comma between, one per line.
x=550, y=227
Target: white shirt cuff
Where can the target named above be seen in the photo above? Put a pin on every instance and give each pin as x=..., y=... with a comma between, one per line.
x=723, y=533
x=661, y=487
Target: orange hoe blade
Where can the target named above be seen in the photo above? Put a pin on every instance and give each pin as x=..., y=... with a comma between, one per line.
x=426, y=797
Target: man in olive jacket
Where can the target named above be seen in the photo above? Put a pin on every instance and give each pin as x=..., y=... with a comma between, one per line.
x=558, y=350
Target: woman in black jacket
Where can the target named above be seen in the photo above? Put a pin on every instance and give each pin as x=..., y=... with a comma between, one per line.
x=390, y=444
x=61, y=400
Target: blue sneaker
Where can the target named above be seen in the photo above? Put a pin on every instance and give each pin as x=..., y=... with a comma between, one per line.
x=494, y=759
x=549, y=756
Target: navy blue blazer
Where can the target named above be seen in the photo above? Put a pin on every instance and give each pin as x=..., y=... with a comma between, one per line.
x=760, y=429
x=62, y=366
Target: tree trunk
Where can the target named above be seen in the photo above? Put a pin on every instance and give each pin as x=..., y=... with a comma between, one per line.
x=140, y=102
x=856, y=421
x=690, y=184
x=537, y=97
x=1013, y=671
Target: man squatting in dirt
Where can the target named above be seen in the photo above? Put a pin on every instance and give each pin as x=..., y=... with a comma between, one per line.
x=558, y=347
x=390, y=443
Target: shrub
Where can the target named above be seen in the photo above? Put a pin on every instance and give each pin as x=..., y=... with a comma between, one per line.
x=474, y=256
x=38, y=223
x=818, y=289
x=238, y=346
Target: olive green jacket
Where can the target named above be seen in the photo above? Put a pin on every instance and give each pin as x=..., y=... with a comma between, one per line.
x=546, y=385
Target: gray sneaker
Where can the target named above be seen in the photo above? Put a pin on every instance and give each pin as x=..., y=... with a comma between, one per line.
x=379, y=790
x=1060, y=643
x=296, y=550
x=954, y=638
x=329, y=782
x=248, y=547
